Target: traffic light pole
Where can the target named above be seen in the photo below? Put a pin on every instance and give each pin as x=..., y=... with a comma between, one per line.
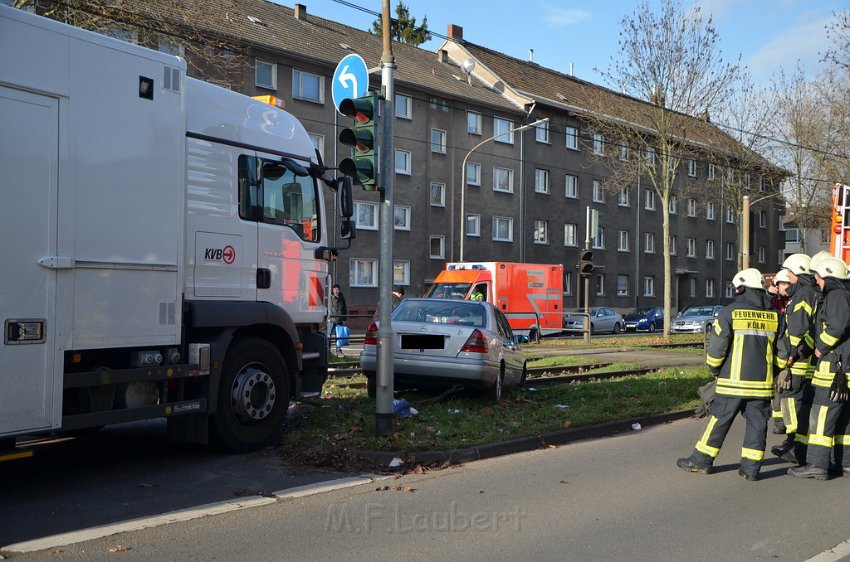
x=385, y=375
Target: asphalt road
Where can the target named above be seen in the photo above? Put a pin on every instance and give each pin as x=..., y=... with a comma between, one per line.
x=617, y=498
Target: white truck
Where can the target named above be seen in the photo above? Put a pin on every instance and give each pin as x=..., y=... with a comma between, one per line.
x=165, y=244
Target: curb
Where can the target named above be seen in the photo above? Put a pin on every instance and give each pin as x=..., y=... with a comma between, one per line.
x=523, y=444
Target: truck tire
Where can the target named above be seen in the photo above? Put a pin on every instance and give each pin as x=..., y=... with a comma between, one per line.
x=253, y=397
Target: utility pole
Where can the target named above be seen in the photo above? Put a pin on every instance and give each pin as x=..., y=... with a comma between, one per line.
x=745, y=233
x=385, y=375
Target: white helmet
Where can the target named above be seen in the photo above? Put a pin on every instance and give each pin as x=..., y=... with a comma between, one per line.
x=832, y=267
x=816, y=259
x=797, y=263
x=750, y=277
x=781, y=277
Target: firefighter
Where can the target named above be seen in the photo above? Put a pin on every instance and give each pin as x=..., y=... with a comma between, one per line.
x=779, y=292
x=741, y=355
x=832, y=348
x=795, y=351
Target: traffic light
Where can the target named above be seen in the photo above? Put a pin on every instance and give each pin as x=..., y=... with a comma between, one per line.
x=361, y=167
x=585, y=264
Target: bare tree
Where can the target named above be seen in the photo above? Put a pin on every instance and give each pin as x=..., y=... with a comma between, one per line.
x=177, y=26
x=838, y=33
x=671, y=59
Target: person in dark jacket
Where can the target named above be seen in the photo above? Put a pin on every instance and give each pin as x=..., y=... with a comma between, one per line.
x=832, y=348
x=741, y=355
x=338, y=313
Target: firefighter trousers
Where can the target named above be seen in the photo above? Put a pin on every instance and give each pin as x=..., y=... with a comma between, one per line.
x=841, y=439
x=796, y=406
x=756, y=412
x=823, y=423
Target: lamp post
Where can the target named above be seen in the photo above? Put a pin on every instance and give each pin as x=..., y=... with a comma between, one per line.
x=463, y=175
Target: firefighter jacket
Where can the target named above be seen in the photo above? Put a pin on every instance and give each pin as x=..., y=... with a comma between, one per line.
x=741, y=349
x=833, y=339
x=798, y=338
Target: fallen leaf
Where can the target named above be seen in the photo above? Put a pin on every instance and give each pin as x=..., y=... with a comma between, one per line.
x=563, y=481
x=405, y=489
x=119, y=548
x=418, y=469
x=382, y=488
x=550, y=446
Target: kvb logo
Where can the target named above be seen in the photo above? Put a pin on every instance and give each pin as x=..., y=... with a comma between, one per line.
x=226, y=254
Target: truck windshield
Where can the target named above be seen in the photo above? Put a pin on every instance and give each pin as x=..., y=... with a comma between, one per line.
x=448, y=291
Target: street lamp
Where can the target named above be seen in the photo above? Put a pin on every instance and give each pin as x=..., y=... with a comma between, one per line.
x=463, y=175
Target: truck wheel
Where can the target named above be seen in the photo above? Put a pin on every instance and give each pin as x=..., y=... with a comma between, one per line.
x=253, y=397
x=371, y=384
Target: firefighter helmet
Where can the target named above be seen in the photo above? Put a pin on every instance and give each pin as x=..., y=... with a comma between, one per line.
x=781, y=277
x=750, y=277
x=832, y=267
x=816, y=259
x=797, y=263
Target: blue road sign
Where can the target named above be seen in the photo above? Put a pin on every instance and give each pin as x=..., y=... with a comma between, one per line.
x=351, y=79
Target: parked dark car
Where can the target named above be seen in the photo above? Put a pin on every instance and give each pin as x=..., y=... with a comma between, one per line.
x=602, y=319
x=646, y=319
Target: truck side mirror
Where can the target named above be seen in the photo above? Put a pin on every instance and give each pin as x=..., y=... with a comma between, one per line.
x=347, y=230
x=345, y=198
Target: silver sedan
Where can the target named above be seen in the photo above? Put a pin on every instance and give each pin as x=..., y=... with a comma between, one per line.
x=445, y=342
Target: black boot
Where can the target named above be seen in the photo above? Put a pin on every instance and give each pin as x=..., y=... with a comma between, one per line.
x=687, y=463
x=809, y=471
x=749, y=476
x=785, y=451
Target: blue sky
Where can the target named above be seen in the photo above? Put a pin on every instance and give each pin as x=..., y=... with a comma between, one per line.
x=768, y=34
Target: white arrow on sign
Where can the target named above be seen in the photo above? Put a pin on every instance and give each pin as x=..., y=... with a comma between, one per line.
x=345, y=77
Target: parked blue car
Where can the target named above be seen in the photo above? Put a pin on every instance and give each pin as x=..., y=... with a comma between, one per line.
x=646, y=319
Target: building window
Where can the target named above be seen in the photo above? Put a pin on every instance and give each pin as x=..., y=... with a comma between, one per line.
x=366, y=215
x=572, y=138
x=307, y=86
x=541, y=132
x=265, y=74
x=762, y=184
x=438, y=247
x=747, y=181
x=672, y=241
x=673, y=205
x=649, y=286
x=568, y=283
x=500, y=130
x=541, y=232
x=692, y=207
x=762, y=255
x=623, y=240
x=692, y=168
x=692, y=247
x=541, y=181
x=624, y=152
x=401, y=272
x=401, y=217
x=730, y=290
x=438, y=141
x=473, y=173
x=172, y=48
x=648, y=199
x=503, y=229
x=402, y=162
x=473, y=122
x=622, y=285
x=599, y=241
x=570, y=234
x=709, y=288
x=648, y=243
x=363, y=272
x=709, y=211
x=792, y=235
x=503, y=179
x=709, y=249
x=318, y=143
x=730, y=251
x=762, y=219
x=438, y=194
x=473, y=224
x=403, y=106
x=600, y=285
x=623, y=199
x=711, y=172
x=571, y=187
x=598, y=143
x=692, y=287
x=730, y=214
x=598, y=192
x=729, y=176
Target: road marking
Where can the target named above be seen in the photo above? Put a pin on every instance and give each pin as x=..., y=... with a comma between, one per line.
x=837, y=552
x=64, y=539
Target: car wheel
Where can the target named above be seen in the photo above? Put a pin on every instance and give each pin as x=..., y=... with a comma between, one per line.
x=371, y=384
x=496, y=390
x=652, y=326
x=253, y=396
x=616, y=327
x=592, y=329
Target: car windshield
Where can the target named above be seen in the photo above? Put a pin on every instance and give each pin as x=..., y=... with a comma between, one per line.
x=466, y=313
x=644, y=311
x=699, y=311
x=448, y=291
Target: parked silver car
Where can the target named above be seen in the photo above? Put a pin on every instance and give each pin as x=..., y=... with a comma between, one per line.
x=602, y=319
x=695, y=319
x=445, y=342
